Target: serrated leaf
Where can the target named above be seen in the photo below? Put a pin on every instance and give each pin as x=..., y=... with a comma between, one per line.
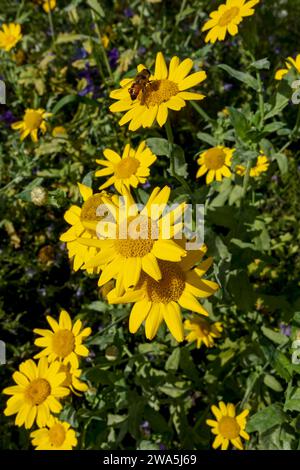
x=267, y=418
x=241, y=76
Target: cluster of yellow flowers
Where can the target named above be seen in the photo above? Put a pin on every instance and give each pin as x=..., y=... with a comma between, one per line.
x=41, y=385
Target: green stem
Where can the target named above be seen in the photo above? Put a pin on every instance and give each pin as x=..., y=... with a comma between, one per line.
x=261, y=102
x=138, y=35
x=201, y=111
x=51, y=24
x=297, y=125
x=246, y=178
x=170, y=138
x=103, y=51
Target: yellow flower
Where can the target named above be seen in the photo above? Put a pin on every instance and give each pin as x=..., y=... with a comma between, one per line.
x=261, y=166
x=133, y=241
x=215, y=163
x=36, y=393
x=166, y=90
x=10, y=35
x=227, y=18
x=180, y=286
x=72, y=380
x=47, y=5
x=228, y=427
x=78, y=218
x=56, y=436
x=64, y=342
x=129, y=170
x=105, y=41
x=59, y=131
x=33, y=121
x=289, y=63
x=202, y=331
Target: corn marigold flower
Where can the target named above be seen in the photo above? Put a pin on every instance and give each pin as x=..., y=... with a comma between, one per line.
x=289, y=63
x=33, y=121
x=134, y=240
x=78, y=217
x=166, y=90
x=129, y=170
x=261, y=166
x=216, y=163
x=202, y=331
x=72, y=380
x=228, y=427
x=36, y=395
x=10, y=35
x=48, y=5
x=180, y=286
x=227, y=18
x=57, y=435
x=64, y=341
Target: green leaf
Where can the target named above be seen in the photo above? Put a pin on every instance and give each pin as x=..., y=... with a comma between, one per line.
x=280, y=100
x=274, y=336
x=239, y=122
x=207, y=138
x=271, y=382
x=241, y=289
x=267, y=418
x=158, y=146
x=88, y=179
x=262, y=64
x=63, y=38
x=282, y=161
x=241, y=76
x=95, y=5
x=173, y=360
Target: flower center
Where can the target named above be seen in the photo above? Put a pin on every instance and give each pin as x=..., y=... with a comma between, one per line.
x=141, y=234
x=32, y=120
x=68, y=380
x=214, y=159
x=63, y=343
x=89, y=210
x=228, y=16
x=229, y=428
x=169, y=288
x=37, y=391
x=57, y=435
x=202, y=327
x=126, y=167
x=157, y=92
x=10, y=39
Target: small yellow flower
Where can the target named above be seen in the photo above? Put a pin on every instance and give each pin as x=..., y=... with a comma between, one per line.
x=64, y=341
x=78, y=217
x=181, y=285
x=289, y=63
x=261, y=166
x=10, y=35
x=105, y=41
x=129, y=170
x=228, y=428
x=215, y=162
x=72, y=380
x=56, y=436
x=36, y=394
x=202, y=331
x=33, y=121
x=227, y=18
x=48, y=5
x=59, y=131
x=166, y=90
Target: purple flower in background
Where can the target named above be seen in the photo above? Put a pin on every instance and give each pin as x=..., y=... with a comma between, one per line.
x=113, y=57
x=228, y=86
x=286, y=330
x=92, y=78
x=128, y=12
x=145, y=428
x=162, y=447
x=80, y=53
x=146, y=185
x=7, y=117
x=141, y=50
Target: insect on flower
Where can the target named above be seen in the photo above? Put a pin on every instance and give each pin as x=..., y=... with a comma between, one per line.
x=140, y=84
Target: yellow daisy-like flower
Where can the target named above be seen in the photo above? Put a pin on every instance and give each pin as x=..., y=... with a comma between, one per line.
x=289, y=63
x=134, y=240
x=72, y=379
x=166, y=90
x=228, y=427
x=227, y=18
x=36, y=394
x=129, y=170
x=64, y=342
x=48, y=5
x=58, y=435
x=10, y=35
x=78, y=218
x=33, y=121
x=202, y=331
x=215, y=162
x=261, y=166
x=180, y=286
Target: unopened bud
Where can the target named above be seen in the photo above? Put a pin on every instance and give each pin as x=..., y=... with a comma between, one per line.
x=39, y=196
x=111, y=353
